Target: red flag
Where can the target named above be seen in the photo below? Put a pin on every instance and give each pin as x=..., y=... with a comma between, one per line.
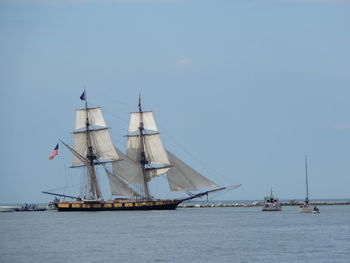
x=54, y=153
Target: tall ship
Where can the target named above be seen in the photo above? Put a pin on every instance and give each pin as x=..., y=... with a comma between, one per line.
x=129, y=175
x=305, y=207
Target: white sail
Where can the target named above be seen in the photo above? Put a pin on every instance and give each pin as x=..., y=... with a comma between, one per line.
x=92, y=184
x=95, y=118
x=101, y=143
x=154, y=150
x=153, y=173
x=118, y=186
x=147, y=119
x=128, y=170
x=182, y=177
x=76, y=154
x=133, y=148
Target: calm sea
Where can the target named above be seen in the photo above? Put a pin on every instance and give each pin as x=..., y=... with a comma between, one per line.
x=184, y=235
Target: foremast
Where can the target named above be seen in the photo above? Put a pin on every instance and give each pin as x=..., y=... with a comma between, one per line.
x=94, y=190
x=92, y=146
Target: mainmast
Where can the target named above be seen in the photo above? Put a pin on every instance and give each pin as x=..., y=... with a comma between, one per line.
x=307, y=182
x=143, y=159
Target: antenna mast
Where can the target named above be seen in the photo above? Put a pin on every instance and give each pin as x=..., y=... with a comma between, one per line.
x=307, y=182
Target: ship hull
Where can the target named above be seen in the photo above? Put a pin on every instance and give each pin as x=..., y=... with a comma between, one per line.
x=117, y=206
x=271, y=209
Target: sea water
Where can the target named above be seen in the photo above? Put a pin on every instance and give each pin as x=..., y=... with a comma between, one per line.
x=225, y=234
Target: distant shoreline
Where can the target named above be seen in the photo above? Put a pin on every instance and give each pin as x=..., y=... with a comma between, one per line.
x=255, y=203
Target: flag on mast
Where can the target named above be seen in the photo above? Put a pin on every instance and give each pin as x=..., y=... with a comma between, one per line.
x=83, y=96
x=54, y=153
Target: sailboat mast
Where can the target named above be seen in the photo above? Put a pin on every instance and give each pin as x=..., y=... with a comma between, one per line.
x=143, y=160
x=93, y=183
x=307, y=182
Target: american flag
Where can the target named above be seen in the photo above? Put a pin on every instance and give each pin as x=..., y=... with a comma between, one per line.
x=54, y=153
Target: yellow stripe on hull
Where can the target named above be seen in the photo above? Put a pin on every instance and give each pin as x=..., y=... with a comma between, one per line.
x=117, y=206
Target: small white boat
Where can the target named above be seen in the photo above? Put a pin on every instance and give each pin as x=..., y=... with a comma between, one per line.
x=305, y=208
x=271, y=204
x=6, y=208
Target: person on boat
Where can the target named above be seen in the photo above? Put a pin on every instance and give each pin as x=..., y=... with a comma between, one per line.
x=316, y=209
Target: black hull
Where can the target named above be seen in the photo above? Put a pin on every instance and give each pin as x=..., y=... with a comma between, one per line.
x=73, y=207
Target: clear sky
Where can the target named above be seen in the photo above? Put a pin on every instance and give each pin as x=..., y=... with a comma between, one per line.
x=241, y=90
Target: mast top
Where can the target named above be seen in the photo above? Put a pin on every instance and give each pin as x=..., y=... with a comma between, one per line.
x=140, y=107
x=83, y=98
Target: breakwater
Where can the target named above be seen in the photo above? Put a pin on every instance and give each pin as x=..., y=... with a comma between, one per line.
x=255, y=203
